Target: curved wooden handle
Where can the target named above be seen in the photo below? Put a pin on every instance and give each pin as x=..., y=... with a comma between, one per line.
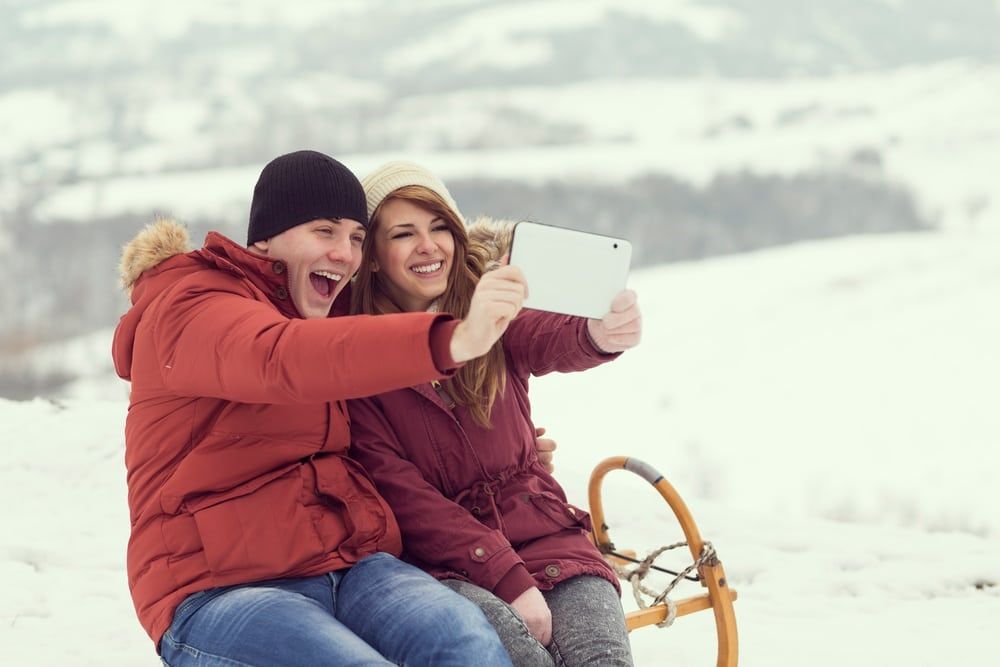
x=651, y=475
x=719, y=597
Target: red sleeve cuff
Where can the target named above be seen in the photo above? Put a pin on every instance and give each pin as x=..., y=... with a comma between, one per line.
x=515, y=582
x=442, y=330
x=588, y=343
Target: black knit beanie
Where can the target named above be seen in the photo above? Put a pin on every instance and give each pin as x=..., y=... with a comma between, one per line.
x=303, y=186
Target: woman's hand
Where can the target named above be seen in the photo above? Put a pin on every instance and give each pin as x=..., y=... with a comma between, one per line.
x=496, y=302
x=621, y=328
x=531, y=607
x=545, y=447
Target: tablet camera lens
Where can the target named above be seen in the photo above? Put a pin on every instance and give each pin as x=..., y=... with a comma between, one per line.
x=616, y=245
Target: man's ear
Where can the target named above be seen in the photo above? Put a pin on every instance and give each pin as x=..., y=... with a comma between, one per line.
x=262, y=246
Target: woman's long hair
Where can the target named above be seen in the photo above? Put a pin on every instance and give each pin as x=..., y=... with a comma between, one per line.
x=477, y=383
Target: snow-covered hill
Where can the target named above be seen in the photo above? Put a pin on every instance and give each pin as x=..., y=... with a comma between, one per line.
x=117, y=107
x=827, y=410
x=932, y=129
x=677, y=115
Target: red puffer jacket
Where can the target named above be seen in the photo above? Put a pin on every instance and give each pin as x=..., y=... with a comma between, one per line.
x=474, y=503
x=237, y=430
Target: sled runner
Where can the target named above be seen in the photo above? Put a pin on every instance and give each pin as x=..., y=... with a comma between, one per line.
x=706, y=566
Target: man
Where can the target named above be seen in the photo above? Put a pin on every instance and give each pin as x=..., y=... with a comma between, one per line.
x=255, y=540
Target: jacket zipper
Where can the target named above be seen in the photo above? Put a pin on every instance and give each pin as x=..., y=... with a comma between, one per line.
x=451, y=405
x=443, y=394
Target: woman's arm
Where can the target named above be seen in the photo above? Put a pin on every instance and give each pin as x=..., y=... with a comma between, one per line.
x=539, y=342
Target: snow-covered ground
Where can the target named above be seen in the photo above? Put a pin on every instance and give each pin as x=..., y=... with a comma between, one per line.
x=827, y=410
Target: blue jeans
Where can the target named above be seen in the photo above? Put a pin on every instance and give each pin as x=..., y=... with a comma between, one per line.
x=379, y=612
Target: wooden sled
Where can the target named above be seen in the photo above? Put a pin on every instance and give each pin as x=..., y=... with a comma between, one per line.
x=710, y=574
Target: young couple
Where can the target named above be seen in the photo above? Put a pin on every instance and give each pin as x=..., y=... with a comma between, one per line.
x=262, y=410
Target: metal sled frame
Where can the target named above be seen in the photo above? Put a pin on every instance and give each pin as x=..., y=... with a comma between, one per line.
x=719, y=597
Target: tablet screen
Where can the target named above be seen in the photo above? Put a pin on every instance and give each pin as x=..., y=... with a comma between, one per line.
x=569, y=271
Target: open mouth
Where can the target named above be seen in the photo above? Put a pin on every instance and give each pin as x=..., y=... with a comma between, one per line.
x=324, y=281
x=427, y=269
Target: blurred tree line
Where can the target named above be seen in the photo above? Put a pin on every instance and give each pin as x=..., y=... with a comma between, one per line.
x=62, y=276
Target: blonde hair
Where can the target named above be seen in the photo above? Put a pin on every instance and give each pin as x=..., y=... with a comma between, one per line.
x=476, y=384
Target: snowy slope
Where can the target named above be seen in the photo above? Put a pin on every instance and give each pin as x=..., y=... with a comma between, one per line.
x=693, y=129
x=114, y=107
x=827, y=410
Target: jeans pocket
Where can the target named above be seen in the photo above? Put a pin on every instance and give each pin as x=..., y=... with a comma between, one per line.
x=187, y=605
x=190, y=605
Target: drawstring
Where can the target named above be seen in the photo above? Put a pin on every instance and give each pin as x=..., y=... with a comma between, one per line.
x=481, y=500
x=481, y=496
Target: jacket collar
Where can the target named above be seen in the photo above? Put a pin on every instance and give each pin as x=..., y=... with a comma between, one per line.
x=268, y=275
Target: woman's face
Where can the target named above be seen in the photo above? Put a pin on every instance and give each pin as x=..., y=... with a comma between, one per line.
x=414, y=252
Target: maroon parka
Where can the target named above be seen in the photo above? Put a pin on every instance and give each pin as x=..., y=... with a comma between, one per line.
x=237, y=430
x=475, y=503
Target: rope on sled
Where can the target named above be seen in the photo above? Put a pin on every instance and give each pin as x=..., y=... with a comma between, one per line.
x=638, y=573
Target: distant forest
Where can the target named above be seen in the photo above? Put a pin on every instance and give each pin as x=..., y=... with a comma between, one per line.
x=667, y=220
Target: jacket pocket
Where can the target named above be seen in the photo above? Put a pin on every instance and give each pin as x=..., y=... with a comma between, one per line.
x=260, y=531
x=368, y=521
x=561, y=513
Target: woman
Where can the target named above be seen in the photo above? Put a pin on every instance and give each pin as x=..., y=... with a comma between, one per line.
x=456, y=459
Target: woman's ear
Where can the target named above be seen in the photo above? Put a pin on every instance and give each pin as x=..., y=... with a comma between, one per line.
x=374, y=266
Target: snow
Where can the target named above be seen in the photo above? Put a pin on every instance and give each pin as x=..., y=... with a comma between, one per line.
x=697, y=128
x=176, y=119
x=827, y=411
x=140, y=21
x=37, y=118
x=934, y=129
x=517, y=35
x=212, y=193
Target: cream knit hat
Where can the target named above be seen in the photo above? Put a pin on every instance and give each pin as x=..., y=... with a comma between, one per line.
x=394, y=175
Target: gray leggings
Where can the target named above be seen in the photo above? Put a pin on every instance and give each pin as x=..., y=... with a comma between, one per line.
x=588, y=624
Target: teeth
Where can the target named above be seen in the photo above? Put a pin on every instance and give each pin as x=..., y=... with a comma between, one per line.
x=429, y=268
x=335, y=277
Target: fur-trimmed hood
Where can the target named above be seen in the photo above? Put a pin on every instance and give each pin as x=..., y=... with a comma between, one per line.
x=493, y=237
x=157, y=242
x=158, y=256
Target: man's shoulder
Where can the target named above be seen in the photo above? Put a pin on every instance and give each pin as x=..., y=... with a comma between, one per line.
x=207, y=278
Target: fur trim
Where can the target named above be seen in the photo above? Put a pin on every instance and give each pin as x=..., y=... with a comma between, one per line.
x=493, y=236
x=160, y=240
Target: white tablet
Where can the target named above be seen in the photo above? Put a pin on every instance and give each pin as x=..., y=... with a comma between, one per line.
x=569, y=271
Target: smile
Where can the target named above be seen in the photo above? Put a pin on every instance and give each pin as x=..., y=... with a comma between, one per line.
x=335, y=277
x=323, y=282
x=427, y=268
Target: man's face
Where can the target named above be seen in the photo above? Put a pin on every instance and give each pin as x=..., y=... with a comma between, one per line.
x=321, y=257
